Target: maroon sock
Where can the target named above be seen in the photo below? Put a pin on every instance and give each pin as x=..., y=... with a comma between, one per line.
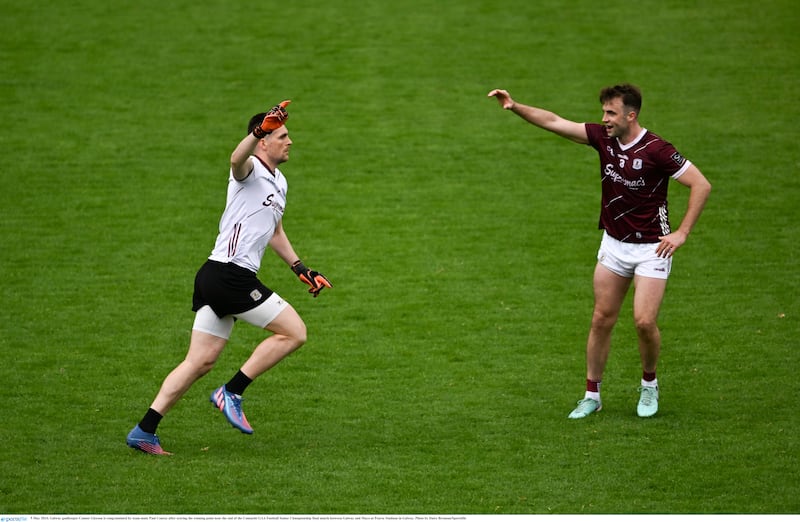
x=593, y=386
x=648, y=376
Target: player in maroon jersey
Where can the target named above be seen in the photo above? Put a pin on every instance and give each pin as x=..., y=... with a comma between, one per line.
x=638, y=242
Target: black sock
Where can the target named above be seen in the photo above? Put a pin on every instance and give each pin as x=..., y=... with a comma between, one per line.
x=239, y=383
x=149, y=423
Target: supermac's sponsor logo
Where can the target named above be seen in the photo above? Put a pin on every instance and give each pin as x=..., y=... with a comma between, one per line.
x=271, y=202
x=616, y=177
x=678, y=159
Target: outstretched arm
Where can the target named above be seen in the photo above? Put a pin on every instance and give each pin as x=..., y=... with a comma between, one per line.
x=699, y=189
x=542, y=118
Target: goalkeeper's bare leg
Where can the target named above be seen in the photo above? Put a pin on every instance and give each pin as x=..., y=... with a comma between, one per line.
x=288, y=334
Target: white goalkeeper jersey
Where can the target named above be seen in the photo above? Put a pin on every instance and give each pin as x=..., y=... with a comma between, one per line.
x=253, y=210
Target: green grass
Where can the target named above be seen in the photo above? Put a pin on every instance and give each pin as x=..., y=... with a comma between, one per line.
x=440, y=369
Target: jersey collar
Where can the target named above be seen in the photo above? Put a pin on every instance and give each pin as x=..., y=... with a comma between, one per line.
x=633, y=142
x=265, y=165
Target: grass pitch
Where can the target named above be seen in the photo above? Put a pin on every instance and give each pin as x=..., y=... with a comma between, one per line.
x=440, y=369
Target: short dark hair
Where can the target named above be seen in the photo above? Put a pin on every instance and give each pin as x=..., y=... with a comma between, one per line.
x=630, y=94
x=255, y=121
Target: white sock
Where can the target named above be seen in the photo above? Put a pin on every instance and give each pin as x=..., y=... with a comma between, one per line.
x=651, y=384
x=592, y=395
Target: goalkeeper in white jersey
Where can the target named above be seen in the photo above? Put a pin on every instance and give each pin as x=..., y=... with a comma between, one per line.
x=227, y=288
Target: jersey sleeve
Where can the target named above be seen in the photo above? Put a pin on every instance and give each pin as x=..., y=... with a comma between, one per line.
x=672, y=161
x=595, y=132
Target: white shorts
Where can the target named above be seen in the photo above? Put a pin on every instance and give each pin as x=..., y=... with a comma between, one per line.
x=205, y=320
x=629, y=259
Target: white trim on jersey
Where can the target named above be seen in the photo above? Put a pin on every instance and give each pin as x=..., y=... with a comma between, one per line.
x=636, y=141
x=682, y=170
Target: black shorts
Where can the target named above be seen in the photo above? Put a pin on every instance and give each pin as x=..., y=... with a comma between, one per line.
x=227, y=288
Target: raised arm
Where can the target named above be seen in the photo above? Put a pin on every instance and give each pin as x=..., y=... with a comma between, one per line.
x=542, y=118
x=241, y=164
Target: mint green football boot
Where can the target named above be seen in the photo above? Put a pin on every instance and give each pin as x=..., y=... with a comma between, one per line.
x=648, y=401
x=585, y=408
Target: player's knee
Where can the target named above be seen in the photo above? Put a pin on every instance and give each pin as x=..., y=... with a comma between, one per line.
x=602, y=320
x=646, y=326
x=200, y=365
x=205, y=368
x=300, y=335
x=294, y=337
x=297, y=331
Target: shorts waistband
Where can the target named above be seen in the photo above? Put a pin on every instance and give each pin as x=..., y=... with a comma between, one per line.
x=233, y=267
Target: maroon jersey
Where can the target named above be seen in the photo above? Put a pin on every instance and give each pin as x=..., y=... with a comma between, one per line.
x=635, y=178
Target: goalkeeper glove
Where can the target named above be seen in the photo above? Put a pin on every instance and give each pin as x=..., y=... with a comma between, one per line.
x=274, y=119
x=312, y=278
